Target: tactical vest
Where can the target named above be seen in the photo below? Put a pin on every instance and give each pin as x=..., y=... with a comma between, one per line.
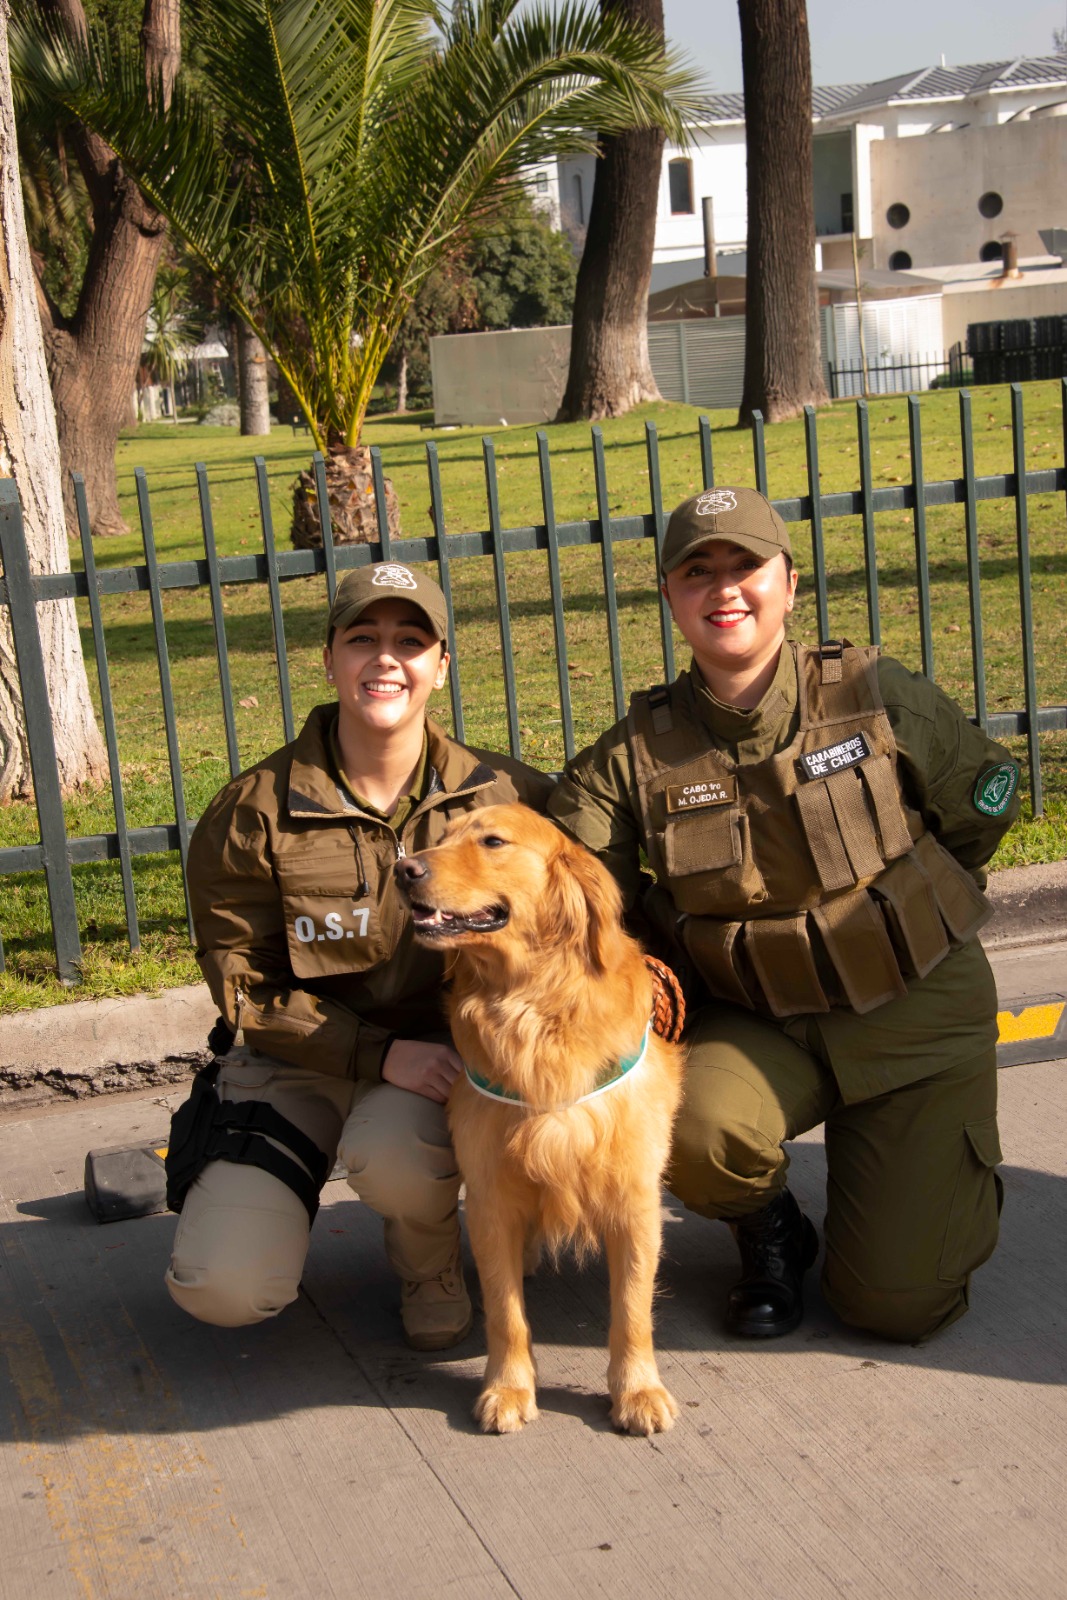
x=804, y=880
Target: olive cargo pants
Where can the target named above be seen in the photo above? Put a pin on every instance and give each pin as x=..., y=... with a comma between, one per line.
x=912, y=1199
x=242, y=1237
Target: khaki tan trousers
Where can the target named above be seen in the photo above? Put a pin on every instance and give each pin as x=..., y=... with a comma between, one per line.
x=242, y=1237
x=912, y=1200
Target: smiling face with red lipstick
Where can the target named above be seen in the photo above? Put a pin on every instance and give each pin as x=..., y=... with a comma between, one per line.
x=729, y=581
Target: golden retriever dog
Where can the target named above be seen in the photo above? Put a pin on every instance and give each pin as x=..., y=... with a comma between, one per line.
x=562, y=1119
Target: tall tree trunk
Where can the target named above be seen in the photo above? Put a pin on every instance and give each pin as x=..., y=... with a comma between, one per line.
x=288, y=409
x=783, y=367
x=402, y=383
x=29, y=452
x=609, y=367
x=252, y=382
x=93, y=355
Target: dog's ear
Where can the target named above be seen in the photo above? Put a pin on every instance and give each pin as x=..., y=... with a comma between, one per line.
x=584, y=906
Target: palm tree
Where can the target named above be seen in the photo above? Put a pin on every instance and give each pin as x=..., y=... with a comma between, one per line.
x=332, y=152
x=169, y=331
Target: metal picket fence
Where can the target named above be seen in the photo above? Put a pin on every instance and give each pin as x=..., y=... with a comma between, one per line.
x=22, y=593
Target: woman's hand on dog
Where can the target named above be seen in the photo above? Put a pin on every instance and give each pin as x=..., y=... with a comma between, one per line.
x=427, y=1069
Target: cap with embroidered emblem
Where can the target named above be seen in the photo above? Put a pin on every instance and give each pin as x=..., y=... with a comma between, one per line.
x=742, y=516
x=388, y=580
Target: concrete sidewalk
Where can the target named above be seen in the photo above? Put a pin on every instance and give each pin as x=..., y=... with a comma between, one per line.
x=143, y=1455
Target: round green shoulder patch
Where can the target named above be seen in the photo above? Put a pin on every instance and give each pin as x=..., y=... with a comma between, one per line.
x=995, y=787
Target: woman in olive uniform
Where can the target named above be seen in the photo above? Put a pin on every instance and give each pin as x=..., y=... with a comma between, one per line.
x=817, y=822
x=342, y=1042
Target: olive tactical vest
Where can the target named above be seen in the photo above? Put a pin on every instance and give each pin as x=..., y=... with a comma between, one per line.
x=804, y=880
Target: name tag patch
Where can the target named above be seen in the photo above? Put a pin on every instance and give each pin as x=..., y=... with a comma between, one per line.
x=691, y=796
x=834, y=757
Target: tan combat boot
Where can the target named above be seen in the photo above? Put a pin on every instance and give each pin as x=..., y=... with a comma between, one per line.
x=437, y=1312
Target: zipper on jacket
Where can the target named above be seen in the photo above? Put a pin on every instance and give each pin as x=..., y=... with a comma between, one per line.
x=238, y=1007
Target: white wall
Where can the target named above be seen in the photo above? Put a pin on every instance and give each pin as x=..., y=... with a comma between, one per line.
x=941, y=176
x=515, y=376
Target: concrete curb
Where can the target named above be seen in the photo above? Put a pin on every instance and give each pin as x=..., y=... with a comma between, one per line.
x=1030, y=906
x=94, y=1047
x=97, y=1047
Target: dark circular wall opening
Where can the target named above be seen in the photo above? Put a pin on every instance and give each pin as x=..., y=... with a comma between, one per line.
x=898, y=215
x=899, y=261
x=993, y=251
x=991, y=205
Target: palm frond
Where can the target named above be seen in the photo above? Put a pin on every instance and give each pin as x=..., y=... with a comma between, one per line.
x=331, y=151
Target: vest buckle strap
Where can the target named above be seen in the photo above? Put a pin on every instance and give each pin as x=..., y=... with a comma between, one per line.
x=830, y=654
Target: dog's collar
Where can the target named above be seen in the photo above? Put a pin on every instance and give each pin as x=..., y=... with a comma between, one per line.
x=497, y=1091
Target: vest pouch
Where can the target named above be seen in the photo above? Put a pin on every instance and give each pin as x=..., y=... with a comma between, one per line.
x=709, y=863
x=911, y=912
x=963, y=906
x=713, y=947
x=857, y=941
x=838, y=814
x=780, y=950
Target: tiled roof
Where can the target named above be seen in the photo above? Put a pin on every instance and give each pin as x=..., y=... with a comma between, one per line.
x=928, y=83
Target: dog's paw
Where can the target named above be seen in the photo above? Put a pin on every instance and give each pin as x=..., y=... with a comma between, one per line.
x=645, y=1411
x=502, y=1410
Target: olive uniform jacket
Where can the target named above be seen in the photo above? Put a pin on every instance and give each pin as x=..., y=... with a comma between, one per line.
x=303, y=939
x=820, y=851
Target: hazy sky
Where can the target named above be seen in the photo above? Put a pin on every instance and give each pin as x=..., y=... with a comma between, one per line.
x=857, y=41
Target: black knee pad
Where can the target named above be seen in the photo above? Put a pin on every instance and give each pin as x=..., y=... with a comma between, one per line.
x=207, y=1129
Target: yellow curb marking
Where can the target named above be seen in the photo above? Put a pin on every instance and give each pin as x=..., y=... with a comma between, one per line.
x=1033, y=1022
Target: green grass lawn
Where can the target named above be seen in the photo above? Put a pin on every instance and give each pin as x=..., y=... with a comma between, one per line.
x=168, y=454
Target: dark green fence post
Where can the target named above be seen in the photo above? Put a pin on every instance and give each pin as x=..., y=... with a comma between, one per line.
x=22, y=608
x=818, y=551
x=974, y=570
x=1026, y=601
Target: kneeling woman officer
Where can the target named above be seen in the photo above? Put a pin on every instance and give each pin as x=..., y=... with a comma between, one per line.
x=817, y=821
x=307, y=949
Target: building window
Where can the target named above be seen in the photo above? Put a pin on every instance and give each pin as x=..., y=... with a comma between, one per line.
x=847, y=220
x=579, y=200
x=993, y=251
x=899, y=261
x=680, y=177
x=991, y=204
x=540, y=180
x=898, y=216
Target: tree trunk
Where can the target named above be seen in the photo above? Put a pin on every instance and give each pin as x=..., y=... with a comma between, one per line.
x=252, y=382
x=402, y=383
x=609, y=366
x=93, y=356
x=288, y=410
x=783, y=367
x=29, y=452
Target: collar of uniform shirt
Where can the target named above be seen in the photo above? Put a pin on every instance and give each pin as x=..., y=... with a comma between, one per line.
x=406, y=803
x=752, y=735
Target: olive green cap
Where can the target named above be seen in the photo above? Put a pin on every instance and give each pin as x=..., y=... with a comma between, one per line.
x=741, y=516
x=388, y=580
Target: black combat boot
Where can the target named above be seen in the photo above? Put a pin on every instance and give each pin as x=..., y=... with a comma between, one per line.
x=777, y=1245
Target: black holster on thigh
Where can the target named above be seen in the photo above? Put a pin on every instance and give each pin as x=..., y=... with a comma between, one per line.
x=208, y=1129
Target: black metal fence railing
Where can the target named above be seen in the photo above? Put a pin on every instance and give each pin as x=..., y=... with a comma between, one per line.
x=901, y=375
x=22, y=592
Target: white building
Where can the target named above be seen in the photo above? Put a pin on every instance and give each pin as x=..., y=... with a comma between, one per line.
x=931, y=167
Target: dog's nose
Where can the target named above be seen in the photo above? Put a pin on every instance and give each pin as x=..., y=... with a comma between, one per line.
x=409, y=870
